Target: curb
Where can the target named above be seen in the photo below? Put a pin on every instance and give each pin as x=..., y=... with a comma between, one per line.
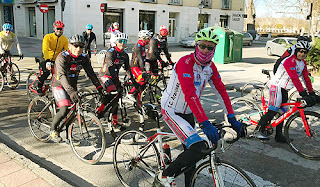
x=35, y=168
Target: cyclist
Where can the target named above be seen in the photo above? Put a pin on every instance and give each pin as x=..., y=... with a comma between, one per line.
x=157, y=44
x=7, y=38
x=139, y=56
x=287, y=77
x=67, y=68
x=89, y=37
x=52, y=45
x=109, y=74
x=114, y=30
x=180, y=102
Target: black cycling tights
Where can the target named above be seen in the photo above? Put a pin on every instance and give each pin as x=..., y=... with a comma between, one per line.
x=59, y=116
x=186, y=159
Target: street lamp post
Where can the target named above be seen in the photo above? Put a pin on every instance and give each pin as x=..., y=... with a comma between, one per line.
x=200, y=7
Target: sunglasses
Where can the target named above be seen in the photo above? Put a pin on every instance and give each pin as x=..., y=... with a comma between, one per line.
x=303, y=51
x=123, y=41
x=77, y=45
x=60, y=29
x=202, y=46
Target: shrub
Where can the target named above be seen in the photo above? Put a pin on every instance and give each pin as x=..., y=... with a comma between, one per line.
x=313, y=57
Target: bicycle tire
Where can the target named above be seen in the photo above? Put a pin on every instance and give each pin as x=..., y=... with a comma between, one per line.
x=253, y=93
x=152, y=94
x=87, y=139
x=40, y=124
x=91, y=101
x=1, y=81
x=300, y=143
x=100, y=56
x=32, y=79
x=12, y=76
x=230, y=174
x=295, y=94
x=130, y=169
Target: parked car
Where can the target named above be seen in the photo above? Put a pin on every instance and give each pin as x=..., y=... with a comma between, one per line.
x=279, y=45
x=189, y=41
x=247, y=39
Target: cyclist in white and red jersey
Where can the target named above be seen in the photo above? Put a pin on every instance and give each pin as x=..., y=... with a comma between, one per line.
x=180, y=102
x=288, y=75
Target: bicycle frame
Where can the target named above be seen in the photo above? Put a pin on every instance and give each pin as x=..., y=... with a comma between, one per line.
x=37, y=78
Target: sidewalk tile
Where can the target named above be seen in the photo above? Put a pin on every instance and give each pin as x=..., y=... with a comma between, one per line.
x=18, y=178
x=37, y=182
x=9, y=167
x=4, y=157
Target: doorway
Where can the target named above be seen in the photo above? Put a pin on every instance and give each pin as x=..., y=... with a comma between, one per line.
x=171, y=29
x=32, y=22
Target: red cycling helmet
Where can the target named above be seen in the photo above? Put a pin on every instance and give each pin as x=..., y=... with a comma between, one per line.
x=58, y=24
x=163, y=32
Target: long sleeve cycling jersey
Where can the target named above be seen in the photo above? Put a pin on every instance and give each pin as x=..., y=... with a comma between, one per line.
x=156, y=46
x=289, y=72
x=138, y=55
x=289, y=52
x=52, y=45
x=88, y=39
x=114, y=59
x=186, y=84
x=67, y=69
x=6, y=42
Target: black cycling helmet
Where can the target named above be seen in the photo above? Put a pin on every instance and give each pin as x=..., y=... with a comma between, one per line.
x=77, y=38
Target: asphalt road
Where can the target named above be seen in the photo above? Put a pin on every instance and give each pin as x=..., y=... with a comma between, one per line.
x=268, y=163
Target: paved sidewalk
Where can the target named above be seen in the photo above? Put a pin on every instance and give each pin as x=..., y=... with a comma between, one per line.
x=16, y=170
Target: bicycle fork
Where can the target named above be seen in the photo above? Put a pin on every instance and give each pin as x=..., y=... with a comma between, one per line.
x=217, y=179
x=305, y=123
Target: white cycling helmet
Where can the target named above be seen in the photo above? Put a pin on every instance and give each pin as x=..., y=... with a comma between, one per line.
x=303, y=45
x=120, y=36
x=144, y=34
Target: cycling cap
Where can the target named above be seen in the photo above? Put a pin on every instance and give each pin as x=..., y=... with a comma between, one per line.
x=303, y=45
x=207, y=34
x=164, y=32
x=7, y=27
x=89, y=27
x=77, y=38
x=115, y=23
x=144, y=34
x=120, y=36
x=58, y=24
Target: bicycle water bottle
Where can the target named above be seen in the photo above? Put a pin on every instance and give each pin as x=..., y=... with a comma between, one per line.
x=167, y=154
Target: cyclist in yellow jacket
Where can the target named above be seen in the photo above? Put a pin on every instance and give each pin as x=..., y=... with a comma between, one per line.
x=52, y=45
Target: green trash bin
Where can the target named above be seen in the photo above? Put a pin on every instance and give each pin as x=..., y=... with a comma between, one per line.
x=229, y=48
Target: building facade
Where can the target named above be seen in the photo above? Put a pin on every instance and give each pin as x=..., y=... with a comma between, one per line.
x=182, y=17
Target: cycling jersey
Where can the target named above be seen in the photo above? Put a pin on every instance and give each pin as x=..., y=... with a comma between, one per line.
x=114, y=59
x=6, y=42
x=290, y=51
x=186, y=84
x=138, y=55
x=52, y=45
x=88, y=39
x=156, y=46
x=67, y=69
x=289, y=72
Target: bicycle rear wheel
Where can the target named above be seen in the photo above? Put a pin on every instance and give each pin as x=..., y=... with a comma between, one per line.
x=1, y=81
x=135, y=163
x=31, y=85
x=100, y=57
x=250, y=90
x=87, y=138
x=152, y=94
x=39, y=118
x=300, y=143
x=12, y=75
x=231, y=175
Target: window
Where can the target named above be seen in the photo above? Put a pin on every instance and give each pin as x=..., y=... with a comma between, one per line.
x=206, y=3
x=146, y=20
x=175, y=2
x=226, y=4
x=113, y=15
x=148, y=1
x=203, y=21
x=224, y=21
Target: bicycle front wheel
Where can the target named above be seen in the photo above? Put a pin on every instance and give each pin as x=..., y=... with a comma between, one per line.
x=1, y=81
x=87, y=138
x=230, y=175
x=40, y=116
x=300, y=143
x=135, y=162
x=12, y=76
x=100, y=56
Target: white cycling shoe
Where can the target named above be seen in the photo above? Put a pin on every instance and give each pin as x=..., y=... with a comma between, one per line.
x=161, y=181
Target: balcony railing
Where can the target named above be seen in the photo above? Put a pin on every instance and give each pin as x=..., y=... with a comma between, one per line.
x=226, y=4
x=175, y=2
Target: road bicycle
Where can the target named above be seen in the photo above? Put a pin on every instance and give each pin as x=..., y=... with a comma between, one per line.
x=10, y=71
x=84, y=131
x=302, y=128
x=138, y=161
x=33, y=79
x=100, y=56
